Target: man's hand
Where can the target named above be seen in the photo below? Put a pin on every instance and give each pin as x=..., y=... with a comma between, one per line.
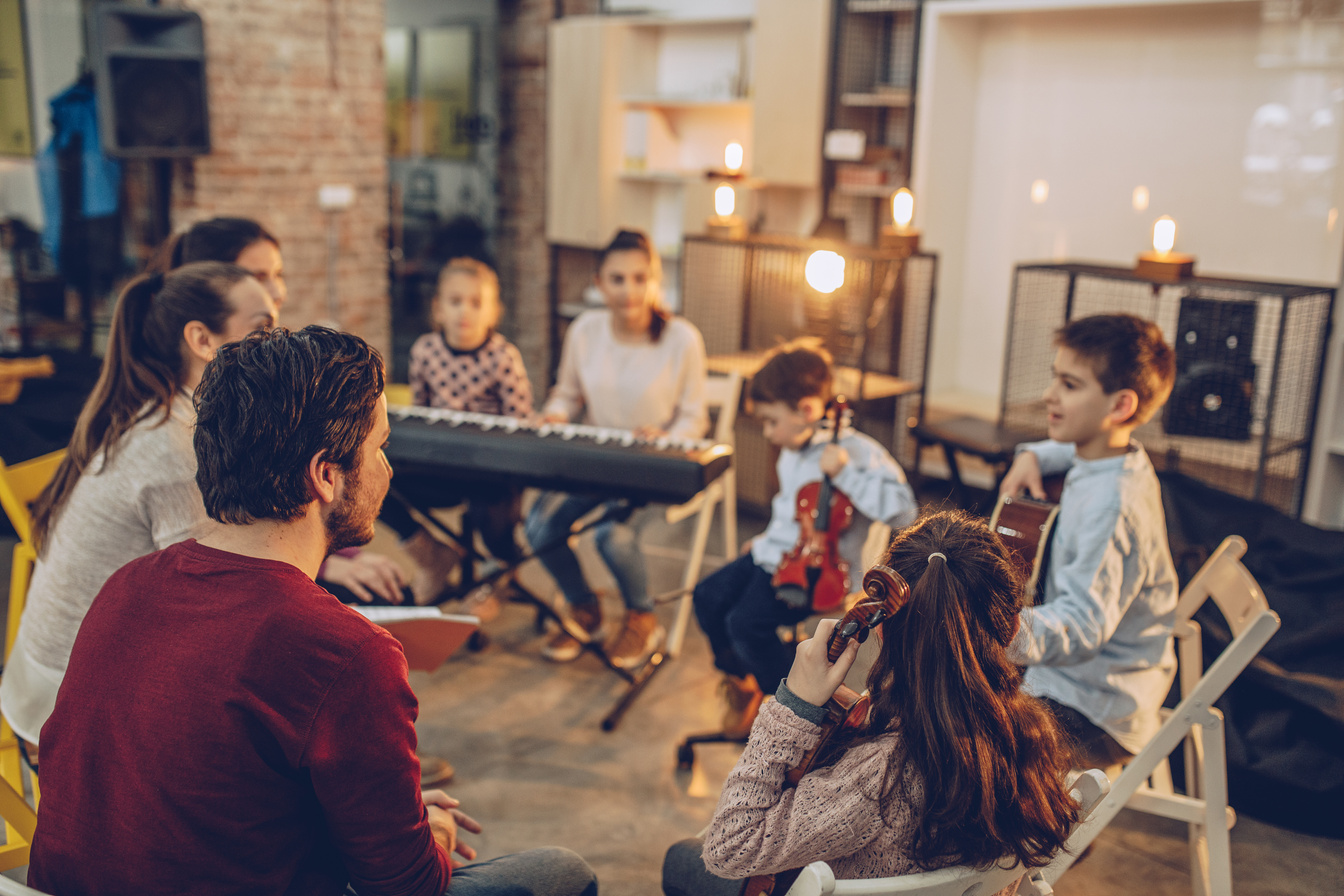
x=444, y=821
x=366, y=574
x=813, y=677
x=1023, y=476
x=833, y=459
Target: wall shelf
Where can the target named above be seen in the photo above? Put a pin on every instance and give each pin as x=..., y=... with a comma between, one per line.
x=886, y=99
x=674, y=103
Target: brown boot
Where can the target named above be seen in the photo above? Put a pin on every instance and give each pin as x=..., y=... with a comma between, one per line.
x=639, y=636
x=564, y=647
x=434, y=562
x=743, y=698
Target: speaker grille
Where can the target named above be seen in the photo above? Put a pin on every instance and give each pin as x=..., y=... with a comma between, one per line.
x=159, y=103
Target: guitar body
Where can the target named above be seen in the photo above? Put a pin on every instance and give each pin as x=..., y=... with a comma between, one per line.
x=1026, y=525
x=814, y=565
x=885, y=592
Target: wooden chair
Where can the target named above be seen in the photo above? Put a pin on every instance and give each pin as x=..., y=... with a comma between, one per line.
x=723, y=392
x=1145, y=783
x=817, y=879
x=20, y=485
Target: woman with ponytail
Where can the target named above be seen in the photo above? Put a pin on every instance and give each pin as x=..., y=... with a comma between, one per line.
x=352, y=574
x=127, y=486
x=954, y=764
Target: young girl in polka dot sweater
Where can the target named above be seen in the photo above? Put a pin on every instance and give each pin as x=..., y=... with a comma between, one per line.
x=464, y=365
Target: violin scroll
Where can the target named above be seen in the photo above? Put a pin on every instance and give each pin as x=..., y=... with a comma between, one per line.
x=885, y=592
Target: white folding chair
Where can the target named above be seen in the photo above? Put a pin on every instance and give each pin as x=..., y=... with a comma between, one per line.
x=722, y=392
x=14, y=888
x=817, y=879
x=1145, y=783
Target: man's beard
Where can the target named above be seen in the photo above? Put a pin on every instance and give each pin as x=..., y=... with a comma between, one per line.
x=350, y=524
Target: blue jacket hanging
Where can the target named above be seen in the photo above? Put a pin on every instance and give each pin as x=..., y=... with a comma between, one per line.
x=74, y=116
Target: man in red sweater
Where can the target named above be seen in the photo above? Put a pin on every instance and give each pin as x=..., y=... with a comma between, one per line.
x=226, y=725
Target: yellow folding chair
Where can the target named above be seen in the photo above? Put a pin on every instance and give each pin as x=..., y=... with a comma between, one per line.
x=20, y=485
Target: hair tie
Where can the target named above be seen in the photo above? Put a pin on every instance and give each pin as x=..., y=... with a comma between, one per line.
x=937, y=554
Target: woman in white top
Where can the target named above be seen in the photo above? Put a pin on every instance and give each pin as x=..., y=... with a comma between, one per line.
x=633, y=366
x=127, y=486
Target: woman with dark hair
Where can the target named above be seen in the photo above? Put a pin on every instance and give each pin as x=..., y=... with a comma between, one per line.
x=954, y=764
x=242, y=241
x=127, y=486
x=630, y=365
x=351, y=574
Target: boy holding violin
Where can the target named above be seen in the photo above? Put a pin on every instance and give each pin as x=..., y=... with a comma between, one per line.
x=740, y=606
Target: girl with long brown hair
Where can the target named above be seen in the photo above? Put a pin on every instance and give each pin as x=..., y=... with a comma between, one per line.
x=127, y=485
x=954, y=764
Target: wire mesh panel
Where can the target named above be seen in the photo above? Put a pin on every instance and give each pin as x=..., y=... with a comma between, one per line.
x=1248, y=368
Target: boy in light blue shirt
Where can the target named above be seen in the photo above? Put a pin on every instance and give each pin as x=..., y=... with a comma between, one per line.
x=1099, y=646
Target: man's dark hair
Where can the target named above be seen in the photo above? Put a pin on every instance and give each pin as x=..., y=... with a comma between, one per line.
x=267, y=405
x=1125, y=352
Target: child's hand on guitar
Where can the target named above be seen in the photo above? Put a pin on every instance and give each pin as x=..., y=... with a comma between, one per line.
x=1023, y=476
x=813, y=677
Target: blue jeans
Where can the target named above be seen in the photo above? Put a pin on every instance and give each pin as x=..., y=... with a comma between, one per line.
x=738, y=612
x=548, y=871
x=548, y=528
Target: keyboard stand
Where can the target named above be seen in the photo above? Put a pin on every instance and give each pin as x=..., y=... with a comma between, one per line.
x=635, y=681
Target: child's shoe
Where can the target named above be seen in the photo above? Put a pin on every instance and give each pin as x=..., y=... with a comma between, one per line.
x=639, y=637
x=743, y=698
x=564, y=647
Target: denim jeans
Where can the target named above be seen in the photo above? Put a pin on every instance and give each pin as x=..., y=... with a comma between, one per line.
x=738, y=612
x=548, y=871
x=548, y=528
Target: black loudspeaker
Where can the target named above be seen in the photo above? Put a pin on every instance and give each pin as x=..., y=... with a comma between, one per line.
x=1215, y=377
x=149, y=68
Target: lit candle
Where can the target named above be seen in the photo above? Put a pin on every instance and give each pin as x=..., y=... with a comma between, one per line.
x=902, y=209
x=732, y=157
x=825, y=271
x=1164, y=235
x=725, y=200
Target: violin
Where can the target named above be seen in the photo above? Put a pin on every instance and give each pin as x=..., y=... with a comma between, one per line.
x=885, y=592
x=813, y=574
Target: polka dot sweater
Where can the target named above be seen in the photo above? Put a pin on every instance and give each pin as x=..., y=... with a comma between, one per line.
x=490, y=379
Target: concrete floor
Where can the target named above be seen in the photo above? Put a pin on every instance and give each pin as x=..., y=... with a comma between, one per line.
x=535, y=767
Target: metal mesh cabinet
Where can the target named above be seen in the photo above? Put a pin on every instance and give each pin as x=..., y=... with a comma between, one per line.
x=1248, y=368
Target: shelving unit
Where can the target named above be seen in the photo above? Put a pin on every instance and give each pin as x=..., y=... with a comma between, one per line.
x=874, y=59
x=640, y=109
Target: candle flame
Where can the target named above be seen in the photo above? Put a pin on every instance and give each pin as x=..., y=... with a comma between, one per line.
x=902, y=208
x=1164, y=234
x=725, y=200
x=732, y=157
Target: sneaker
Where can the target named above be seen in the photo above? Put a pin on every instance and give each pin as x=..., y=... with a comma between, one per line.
x=563, y=647
x=743, y=698
x=639, y=636
x=482, y=602
x=435, y=771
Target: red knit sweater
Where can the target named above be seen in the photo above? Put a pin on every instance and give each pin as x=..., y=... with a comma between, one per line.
x=226, y=726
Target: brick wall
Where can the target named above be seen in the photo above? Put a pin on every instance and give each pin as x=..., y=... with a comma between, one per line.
x=297, y=101
x=524, y=255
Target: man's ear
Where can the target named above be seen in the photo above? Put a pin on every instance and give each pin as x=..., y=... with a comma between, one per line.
x=1124, y=405
x=322, y=477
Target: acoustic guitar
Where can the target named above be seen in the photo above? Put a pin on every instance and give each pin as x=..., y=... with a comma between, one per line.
x=884, y=592
x=1026, y=525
